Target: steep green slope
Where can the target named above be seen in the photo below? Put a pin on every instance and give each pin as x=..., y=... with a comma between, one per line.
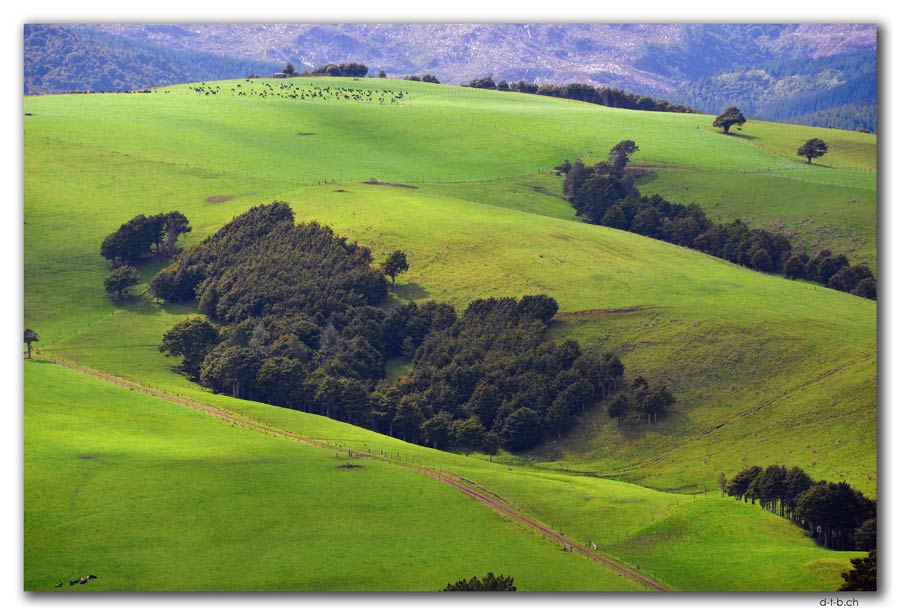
x=755, y=360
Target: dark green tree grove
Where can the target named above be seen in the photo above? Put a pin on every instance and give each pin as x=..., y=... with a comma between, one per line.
x=605, y=194
x=488, y=583
x=836, y=515
x=294, y=317
x=143, y=235
x=862, y=576
x=190, y=339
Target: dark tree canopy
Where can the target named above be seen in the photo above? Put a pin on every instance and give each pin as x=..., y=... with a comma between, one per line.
x=121, y=280
x=350, y=69
x=732, y=116
x=605, y=194
x=190, y=339
x=175, y=225
x=143, y=235
x=488, y=583
x=814, y=148
x=295, y=317
x=620, y=154
x=863, y=576
x=395, y=264
x=836, y=515
x=484, y=83
x=866, y=537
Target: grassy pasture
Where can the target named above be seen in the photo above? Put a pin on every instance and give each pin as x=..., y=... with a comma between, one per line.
x=533, y=246
x=150, y=496
x=766, y=370
x=115, y=495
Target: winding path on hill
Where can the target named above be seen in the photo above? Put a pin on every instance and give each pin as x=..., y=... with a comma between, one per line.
x=491, y=500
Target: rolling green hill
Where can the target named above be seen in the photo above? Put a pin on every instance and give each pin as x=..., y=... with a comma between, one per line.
x=115, y=496
x=160, y=498
x=765, y=370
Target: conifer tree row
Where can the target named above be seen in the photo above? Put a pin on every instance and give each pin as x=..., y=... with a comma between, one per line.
x=836, y=515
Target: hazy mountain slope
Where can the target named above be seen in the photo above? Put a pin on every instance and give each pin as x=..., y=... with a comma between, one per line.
x=59, y=60
x=773, y=71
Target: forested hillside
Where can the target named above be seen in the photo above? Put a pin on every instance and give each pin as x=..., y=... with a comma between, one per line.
x=835, y=91
x=58, y=60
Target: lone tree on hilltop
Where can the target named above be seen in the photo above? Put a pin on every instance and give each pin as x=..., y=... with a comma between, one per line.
x=814, y=148
x=728, y=118
x=488, y=583
x=395, y=265
x=121, y=280
x=31, y=337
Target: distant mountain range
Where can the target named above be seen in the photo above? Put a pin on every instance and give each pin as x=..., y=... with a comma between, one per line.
x=822, y=74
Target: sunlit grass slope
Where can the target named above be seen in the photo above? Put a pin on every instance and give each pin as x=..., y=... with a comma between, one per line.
x=446, y=133
x=754, y=359
x=151, y=496
x=115, y=496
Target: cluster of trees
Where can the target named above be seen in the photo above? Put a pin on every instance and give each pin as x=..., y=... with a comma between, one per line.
x=863, y=574
x=492, y=377
x=608, y=97
x=642, y=402
x=836, y=515
x=293, y=317
x=427, y=78
x=350, y=69
x=605, y=194
x=141, y=237
x=263, y=265
x=488, y=583
x=144, y=236
x=834, y=271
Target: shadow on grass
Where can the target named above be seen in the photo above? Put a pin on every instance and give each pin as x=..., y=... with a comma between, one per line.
x=738, y=135
x=410, y=292
x=146, y=305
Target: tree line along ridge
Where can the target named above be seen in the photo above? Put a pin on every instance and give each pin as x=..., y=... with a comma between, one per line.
x=605, y=194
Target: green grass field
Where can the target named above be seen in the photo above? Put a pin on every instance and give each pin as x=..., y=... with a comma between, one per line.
x=766, y=370
x=151, y=496
x=266, y=514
